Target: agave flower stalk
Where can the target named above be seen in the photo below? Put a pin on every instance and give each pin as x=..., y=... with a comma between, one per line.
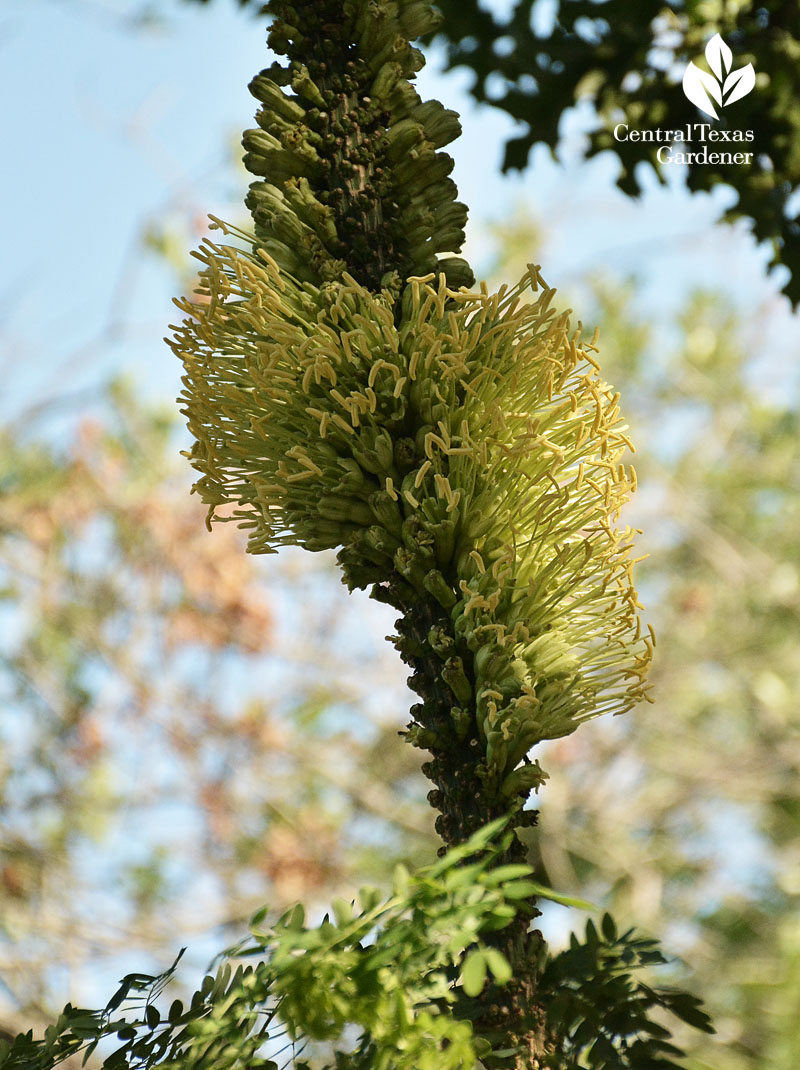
x=347, y=390
x=466, y=458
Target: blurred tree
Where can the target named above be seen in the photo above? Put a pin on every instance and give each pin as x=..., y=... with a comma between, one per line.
x=165, y=699
x=537, y=59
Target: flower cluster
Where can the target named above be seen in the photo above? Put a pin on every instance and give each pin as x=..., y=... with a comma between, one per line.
x=465, y=450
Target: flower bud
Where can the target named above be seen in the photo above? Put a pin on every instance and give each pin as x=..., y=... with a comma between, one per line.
x=441, y=641
x=456, y=679
x=435, y=584
x=523, y=780
x=387, y=512
x=462, y=721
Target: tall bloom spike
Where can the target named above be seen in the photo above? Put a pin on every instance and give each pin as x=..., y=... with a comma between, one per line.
x=466, y=453
x=460, y=450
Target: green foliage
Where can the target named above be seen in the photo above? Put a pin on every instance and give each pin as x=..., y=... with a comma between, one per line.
x=407, y=973
x=623, y=59
x=389, y=967
x=222, y=1028
x=601, y=1013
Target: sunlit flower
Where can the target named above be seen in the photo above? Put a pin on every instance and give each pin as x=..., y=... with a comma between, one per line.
x=465, y=442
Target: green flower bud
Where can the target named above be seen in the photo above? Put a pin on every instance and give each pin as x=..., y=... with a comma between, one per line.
x=365, y=548
x=402, y=137
x=405, y=454
x=417, y=537
x=462, y=721
x=304, y=85
x=456, y=679
x=356, y=574
x=351, y=478
x=324, y=535
x=523, y=780
x=382, y=541
x=378, y=456
x=386, y=81
x=444, y=537
x=409, y=567
x=441, y=124
x=424, y=738
x=349, y=510
x=264, y=88
x=418, y=19
x=435, y=584
x=387, y=512
x=441, y=641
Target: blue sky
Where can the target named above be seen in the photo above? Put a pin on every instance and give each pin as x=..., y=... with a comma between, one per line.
x=111, y=126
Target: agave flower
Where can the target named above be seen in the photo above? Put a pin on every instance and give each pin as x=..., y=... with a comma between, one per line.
x=462, y=445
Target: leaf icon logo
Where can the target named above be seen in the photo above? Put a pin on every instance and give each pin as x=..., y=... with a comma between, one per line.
x=723, y=86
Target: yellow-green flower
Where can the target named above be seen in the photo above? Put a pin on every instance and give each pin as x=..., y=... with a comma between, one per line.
x=463, y=444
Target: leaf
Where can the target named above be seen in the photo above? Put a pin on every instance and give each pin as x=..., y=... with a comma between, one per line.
x=401, y=1009
x=477, y=843
x=697, y=85
x=342, y=911
x=482, y=1047
x=739, y=83
x=116, y=1058
x=603, y=1053
x=368, y=897
x=89, y=1051
x=719, y=56
x=689, y=1009
x=505, y=873
x=295, y=918
x=655, y=1030
x=609, y=928
x=119, y=996
x=258, y=917
x=85, y=1026
x=518, y=889
x=498, y=964
x=401, y=880
x=473, y=973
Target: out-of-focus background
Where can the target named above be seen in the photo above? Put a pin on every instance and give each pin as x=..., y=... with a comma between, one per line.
x=187, y=732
